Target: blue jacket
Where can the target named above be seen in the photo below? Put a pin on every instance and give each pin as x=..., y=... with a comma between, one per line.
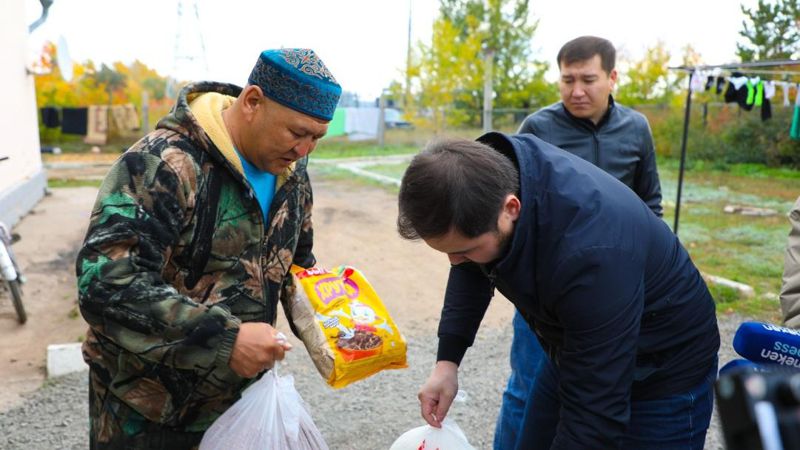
x=613, y=296
x=621, y=144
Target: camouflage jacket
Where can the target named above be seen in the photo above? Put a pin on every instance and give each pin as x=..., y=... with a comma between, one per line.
x=176, y=256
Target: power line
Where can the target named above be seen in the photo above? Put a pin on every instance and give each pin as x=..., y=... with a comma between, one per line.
x=189, y=58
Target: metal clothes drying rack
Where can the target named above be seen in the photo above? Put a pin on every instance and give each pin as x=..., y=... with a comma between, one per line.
x=757, y=67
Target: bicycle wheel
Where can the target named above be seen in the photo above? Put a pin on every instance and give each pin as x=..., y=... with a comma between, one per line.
x=16, y=297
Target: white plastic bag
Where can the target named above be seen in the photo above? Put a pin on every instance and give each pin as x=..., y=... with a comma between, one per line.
x=449, y=437
x=270, y=415
x=426, y=437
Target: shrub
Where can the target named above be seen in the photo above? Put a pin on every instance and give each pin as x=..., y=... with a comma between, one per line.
x=726, y=134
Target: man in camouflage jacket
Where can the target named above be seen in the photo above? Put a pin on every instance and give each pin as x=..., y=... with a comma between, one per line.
x=790, y=290
x=182, y=267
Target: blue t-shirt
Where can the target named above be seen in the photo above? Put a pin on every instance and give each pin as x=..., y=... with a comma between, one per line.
x=263, y=184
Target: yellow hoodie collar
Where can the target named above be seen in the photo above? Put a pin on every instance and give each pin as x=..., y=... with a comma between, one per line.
x=207, y=109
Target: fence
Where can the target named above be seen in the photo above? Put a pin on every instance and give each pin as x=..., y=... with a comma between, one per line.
x=720, y=132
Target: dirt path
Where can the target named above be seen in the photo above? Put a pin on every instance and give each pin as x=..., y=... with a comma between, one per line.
x=50, y=234
x=356, y=226
x=353, y=225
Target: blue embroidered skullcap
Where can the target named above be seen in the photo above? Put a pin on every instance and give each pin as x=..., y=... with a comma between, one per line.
x=297, y=78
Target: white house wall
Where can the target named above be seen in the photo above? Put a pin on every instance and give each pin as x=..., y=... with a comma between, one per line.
x=22, y=177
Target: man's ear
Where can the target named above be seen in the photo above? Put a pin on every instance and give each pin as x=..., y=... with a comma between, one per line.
x=251, y=99
x=613, y=77
x=512, y=206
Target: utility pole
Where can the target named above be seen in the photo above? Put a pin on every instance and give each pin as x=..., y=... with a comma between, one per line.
x=488, y=65
x=189, y=59
x=382, y=120
x=407, y=96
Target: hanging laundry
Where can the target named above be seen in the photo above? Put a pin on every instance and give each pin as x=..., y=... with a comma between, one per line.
x=752, y=93
x=730, y=93
x=125, y=118
x=709, y=82
x=97, y=129
x=737, y=91
x=696, y=82
x=766, y=110
x=738, y=80
x=361, y=123
x=758, y=86
x=720, y=84
x=132, y=118
x=794, y=132
x=785, y=88
x=796, y=94
x=50, y=118
x=74, y=120
x=769, y=93
x=769, y=89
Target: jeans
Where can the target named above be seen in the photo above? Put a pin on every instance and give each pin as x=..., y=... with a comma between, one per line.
x=675, y=422
x=526, y=356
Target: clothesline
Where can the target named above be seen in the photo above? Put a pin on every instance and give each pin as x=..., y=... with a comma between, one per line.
x=741, y=66
x=92, y=122
x=747, y=72
x=747, y=91
x=749, y=68
x=784, y=73
x=754, y=71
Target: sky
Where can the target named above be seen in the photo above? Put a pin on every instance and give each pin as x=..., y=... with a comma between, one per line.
x=363, y=42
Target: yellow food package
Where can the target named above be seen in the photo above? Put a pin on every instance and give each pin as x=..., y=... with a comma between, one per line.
x=344, y=325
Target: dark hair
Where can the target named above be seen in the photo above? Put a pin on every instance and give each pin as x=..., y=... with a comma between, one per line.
x=457, y=185
x=585, y=47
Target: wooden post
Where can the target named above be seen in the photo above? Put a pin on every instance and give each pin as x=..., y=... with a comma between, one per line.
x=145, y=112
x=488, y=60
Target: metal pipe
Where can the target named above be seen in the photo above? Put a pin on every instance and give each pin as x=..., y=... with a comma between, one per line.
x=686, y=116
x=776, y=63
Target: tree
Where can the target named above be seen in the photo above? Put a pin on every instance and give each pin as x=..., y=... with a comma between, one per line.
x=117, y=83
x=770, y=31
x=648, y=80
x=449, y=72
x=112, y=80
x=463, y=34
x=51, y=89
x=507, y=31
x=90, y=86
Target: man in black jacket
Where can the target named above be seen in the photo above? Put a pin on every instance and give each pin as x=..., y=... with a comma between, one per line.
x=625, y=317
x=589, y=124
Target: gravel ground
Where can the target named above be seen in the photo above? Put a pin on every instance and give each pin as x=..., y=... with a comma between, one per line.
x=367, y=415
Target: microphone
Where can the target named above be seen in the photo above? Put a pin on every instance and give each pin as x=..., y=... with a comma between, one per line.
x=745, y=365
x=767, y=343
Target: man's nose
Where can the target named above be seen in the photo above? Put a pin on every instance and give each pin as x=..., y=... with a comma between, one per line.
x=305, y=147
x=578, y=90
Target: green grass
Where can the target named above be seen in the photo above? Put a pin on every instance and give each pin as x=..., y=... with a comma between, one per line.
x=723, y=294
x=75, y=144
x=742, y=169
x=741, y=248
x=341, y=148
x=72, y=182
x=331, y=173
x=395, y=171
